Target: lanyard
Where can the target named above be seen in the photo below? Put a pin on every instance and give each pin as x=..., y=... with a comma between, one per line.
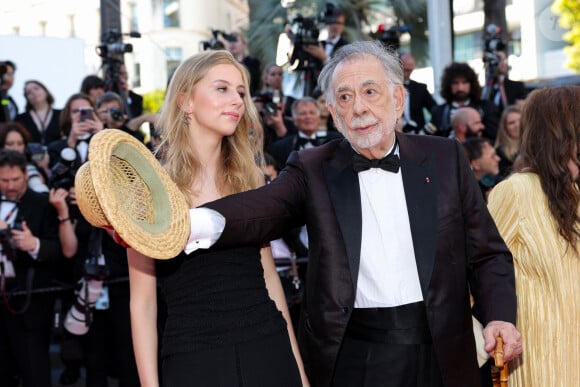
x=11, y=212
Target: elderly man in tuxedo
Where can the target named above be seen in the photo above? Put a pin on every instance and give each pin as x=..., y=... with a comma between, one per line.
x=394, y=253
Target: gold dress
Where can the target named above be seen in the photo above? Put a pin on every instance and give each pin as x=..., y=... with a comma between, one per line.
x=547, y=285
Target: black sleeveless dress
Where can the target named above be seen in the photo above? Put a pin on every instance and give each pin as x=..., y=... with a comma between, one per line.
x=222, y=328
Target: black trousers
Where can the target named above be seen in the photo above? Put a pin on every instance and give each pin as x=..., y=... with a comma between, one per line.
x=388, y=347
x=26, y=341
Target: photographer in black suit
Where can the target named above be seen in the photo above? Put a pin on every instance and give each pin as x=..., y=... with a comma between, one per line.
x=306, y=117
x=502, y=91
x=29, y=260
x=417, y=98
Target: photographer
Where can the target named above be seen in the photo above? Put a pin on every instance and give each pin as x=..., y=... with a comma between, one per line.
x=501, y=90
x=15, y=137
x=109, y=109
x=271, y=108
x=29, y=261
x=238, y=47
x=310, y=53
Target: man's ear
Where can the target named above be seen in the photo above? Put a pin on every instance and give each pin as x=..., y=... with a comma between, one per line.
x=399, y=96
x=332, y=113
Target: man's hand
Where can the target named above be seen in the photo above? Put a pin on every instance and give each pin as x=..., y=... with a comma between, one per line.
x=512, y=339
x=23, y=240
x=316, y=51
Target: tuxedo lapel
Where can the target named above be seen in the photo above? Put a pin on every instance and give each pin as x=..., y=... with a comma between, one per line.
x=420, y=183
x=343, y=188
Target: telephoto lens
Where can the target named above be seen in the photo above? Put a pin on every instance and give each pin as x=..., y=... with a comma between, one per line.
x=78, y=318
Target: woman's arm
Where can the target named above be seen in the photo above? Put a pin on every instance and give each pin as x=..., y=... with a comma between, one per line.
x=277, y=295
x=143, y=286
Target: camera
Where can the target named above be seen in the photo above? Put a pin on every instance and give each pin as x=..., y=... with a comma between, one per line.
x=116, y=114
x=85, y=114
x=112, y=45
x=215, y=43
x=492, y=44
x=35, y=151
x=305, y=32
x=89, y=289
x=270, y=101
x=62, y=173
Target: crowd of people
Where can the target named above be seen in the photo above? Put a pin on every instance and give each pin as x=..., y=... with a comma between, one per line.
x=306, y=174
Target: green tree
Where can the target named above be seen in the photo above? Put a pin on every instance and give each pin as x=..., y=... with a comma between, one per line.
x=569, y=11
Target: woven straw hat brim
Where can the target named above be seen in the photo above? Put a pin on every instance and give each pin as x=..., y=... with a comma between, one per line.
x=134, y=194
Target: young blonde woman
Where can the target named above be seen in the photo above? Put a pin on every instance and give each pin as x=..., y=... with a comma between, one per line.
x=227, y=321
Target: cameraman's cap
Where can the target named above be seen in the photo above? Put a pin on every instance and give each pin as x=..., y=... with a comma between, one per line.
x=124, y=187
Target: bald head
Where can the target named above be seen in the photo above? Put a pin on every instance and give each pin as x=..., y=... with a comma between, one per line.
x=466, y=122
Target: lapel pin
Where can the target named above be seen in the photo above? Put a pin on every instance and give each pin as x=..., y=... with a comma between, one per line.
x=427, y=180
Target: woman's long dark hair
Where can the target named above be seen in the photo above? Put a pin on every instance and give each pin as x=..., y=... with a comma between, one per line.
x=550, y=124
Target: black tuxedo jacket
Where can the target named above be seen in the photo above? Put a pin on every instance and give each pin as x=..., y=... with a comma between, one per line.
x=441, y=118
x=282, y=148
x=419, y=98
x=457, y=246
x=41, y=218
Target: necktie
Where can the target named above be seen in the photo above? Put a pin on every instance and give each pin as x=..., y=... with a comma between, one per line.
x=389, y=163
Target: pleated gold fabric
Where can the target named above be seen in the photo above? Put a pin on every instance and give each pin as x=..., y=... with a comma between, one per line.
x=547, y=284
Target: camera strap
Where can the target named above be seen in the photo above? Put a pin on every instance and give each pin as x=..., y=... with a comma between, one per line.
x=10, y=215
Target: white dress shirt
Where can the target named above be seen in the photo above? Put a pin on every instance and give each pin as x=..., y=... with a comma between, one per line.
x=388, y=273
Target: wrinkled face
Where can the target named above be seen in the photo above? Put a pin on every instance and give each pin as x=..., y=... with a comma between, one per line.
x=307, y=118
x=488, y=163
x=512, y=125
x=34, y=93
x=367, y=105
x=460, y=89
x=216, y=104
x=14, y=141
x=13, y=182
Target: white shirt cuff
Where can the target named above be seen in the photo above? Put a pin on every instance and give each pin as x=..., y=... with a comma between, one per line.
x=206, y=228
x=34, y=252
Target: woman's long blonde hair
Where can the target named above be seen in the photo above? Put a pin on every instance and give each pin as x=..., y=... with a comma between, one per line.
x=240, y=151
x=511, y=146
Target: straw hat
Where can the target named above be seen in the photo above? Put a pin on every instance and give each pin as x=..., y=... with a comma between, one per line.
x=124, y=187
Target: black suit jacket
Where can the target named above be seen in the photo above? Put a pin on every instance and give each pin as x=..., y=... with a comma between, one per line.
x=419, y=98
x=441, y=118
x=41, y=218
x=457, y=246
x=282, y=148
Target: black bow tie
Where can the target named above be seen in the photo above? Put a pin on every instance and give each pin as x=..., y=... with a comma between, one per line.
x=389, y=163
x=302, y=141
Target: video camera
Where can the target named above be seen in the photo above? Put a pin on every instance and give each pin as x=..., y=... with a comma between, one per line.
x=390, y=37
x=62, y=173
x=270, y=101
x=492, y=44
x=215, y=43
x=112, y=49
x=305, y=32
